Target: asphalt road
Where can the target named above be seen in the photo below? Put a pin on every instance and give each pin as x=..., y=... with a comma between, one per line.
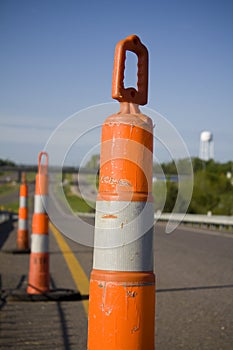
x=194, y=299
x=194, y=274
x=194, y=290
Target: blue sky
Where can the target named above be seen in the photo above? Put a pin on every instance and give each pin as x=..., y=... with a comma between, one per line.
x=56, y=59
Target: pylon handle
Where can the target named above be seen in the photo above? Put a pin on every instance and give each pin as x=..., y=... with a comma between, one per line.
x=119, y=92
x=43, y=168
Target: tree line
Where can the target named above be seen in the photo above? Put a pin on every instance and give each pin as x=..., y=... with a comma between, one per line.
x=6, y=162
x=212, y=187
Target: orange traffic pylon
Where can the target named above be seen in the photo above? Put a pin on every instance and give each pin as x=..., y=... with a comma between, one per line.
x=38, y=278
x=22, y=234
x=122, y=283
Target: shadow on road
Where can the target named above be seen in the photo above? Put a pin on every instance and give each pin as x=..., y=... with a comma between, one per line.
x=5, y=293
x=5, y=229
x=63, y=319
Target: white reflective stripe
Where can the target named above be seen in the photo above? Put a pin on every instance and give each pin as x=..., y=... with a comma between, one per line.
x=23, y=202
x=39, y=243
x=22, y=224
x=124, y=236
x=40, y=203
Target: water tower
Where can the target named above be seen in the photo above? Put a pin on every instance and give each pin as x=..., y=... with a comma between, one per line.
x=206, y=145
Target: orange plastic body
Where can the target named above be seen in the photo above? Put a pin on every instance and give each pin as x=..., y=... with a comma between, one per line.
x=41, y=184
x=122, y=314
x=40, y=223
x=22, y=240
x=126, y=156
x=38, y=277
x=22, y=234
x=23, y=192
x=122, y=302
x=42, y=176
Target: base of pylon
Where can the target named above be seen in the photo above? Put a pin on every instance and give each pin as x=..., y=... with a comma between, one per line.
x=17, y=251
x=52, y=295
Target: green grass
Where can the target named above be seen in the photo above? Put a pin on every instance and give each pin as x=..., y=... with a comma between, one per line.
x=8, y=188
x=76, y=203
x=14, y=207
x=91, y=179
x=31, y=176
x=68, y=177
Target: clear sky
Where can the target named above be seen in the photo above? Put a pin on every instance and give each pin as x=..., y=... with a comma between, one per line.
x=56, y=58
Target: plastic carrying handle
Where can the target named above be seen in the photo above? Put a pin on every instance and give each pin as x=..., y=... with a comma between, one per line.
x=43, y=168
x=131, y=43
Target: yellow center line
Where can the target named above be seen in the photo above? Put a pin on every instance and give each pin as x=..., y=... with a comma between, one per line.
x=74, y=266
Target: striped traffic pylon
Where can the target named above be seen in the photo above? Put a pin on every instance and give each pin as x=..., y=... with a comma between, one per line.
x=122, y=283
x=38, y=278
x=22, y=234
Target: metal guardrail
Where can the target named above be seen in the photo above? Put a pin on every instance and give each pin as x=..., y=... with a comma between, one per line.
x=208, y=220
x=6, y=215
x=198, y=219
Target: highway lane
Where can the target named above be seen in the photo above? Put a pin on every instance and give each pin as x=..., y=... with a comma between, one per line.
x=194, y=273
x=194, y=294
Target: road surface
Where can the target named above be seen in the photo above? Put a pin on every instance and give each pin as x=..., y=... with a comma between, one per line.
x=194, y=299
x=194, y=308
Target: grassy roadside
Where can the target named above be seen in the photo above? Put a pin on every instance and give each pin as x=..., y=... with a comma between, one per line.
x=8, y=188
x=93, y=180
x=13, y=187
x=77, y=204
x=14, y=207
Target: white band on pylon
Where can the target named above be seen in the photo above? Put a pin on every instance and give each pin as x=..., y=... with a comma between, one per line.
x=40, y=203
x=124, y=236
x=39, y=243
x=23, y=202
x=22, y=224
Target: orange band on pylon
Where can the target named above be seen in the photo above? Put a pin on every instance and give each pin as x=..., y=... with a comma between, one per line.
x=132, y=278
x=23, y=213
x=23, y=190
x=40, y=224
x=126, y=156
x=121, y=316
